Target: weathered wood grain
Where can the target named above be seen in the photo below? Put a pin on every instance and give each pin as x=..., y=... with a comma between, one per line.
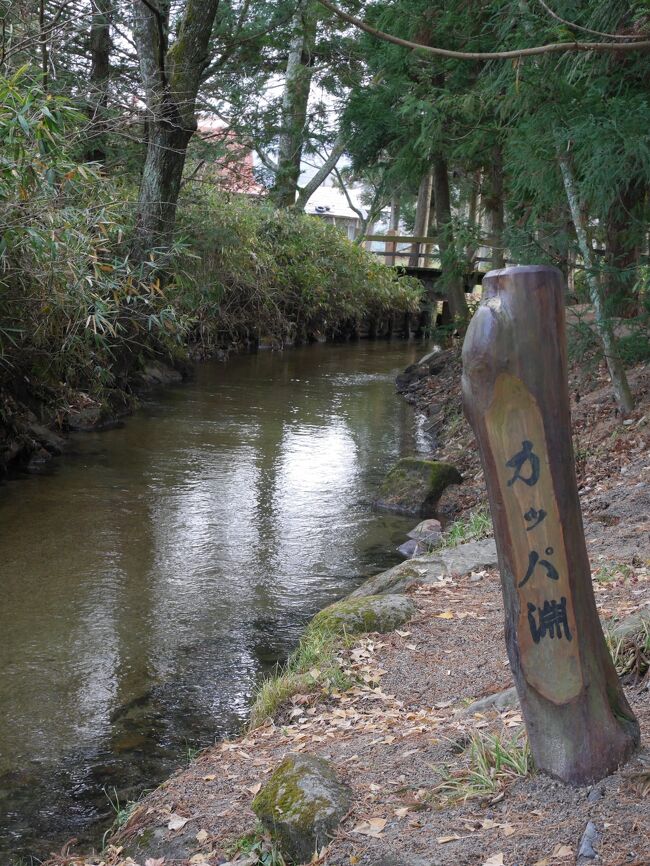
x=515, y=394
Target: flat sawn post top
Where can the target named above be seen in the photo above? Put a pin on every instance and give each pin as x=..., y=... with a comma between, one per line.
x=519, y=271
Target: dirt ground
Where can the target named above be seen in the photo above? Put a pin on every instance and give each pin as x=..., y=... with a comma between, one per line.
x=402, y=732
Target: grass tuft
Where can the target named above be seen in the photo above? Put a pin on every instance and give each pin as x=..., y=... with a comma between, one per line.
x=612, y=572
x=315, y=665
x=493, y=763
x=477, y=525
x=122, y=812
x=631, y=653
x=260, y=844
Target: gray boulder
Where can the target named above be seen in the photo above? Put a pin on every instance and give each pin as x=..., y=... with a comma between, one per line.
x=427, y=531
x=302, y=804
x=156, y=373
x=49, y=440
x=431, y=569
x=632, y=624
x=498, y=701
x=430, y=365
x=412, y=548
x=473, y=556
x=157, y=843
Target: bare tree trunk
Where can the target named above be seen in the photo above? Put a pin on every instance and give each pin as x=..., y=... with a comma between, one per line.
x=421, y=226
x=624, y=237
x=452, y=277
x=395, y=212
x=100, y=68
x=472, y=215
x=42, y=38
x=295, y=100
x=493, y=201
x=393, y=228
x=603, y=324
x=322, y=174
x=515, y=394
x=160, y=186
x=171, y=76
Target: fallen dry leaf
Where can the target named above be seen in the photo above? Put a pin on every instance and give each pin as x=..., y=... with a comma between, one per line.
x=442, y=840
x=402, y=812
x=494, y=860
x=209, y=778
x=446, y=615
x=508, y=829
x=372, y=827
x=563, y=851
x=201, y=836
x=255, y=789
x=176, y=821
x=251, y=860
x=154, y=861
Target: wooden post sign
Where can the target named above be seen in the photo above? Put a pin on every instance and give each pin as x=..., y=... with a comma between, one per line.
x=516, y=398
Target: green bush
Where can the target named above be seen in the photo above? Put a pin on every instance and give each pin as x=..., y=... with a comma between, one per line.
x=76, y=314
x=255, y=271
x=71, y=305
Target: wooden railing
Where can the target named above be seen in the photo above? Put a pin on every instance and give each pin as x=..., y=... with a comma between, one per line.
x=417, y=249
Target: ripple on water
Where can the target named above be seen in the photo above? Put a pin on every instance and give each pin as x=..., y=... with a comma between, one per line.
x=162, y=569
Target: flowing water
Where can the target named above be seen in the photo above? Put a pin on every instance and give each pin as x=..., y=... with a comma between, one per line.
x=162, y=569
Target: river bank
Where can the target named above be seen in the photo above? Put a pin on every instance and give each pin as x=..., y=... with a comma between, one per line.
x=84, y=326
x=392, y=712
x=408, y=739
x=37, y=418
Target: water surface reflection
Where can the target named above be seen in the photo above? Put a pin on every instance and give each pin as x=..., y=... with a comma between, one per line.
x=162, y=568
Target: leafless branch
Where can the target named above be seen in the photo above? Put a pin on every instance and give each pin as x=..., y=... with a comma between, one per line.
x=551, y=48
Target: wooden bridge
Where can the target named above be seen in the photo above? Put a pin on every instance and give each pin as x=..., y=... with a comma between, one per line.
x=412, y=261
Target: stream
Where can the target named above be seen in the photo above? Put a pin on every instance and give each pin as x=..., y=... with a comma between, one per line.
x=159, y=571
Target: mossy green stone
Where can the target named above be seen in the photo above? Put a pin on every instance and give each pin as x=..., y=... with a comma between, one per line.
x=414, y=486
x=302, y=804
x=379, y=613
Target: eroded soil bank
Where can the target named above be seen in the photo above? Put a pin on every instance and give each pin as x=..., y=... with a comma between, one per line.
x=398, y=724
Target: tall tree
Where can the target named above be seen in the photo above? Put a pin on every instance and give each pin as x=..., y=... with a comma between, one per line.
x=100, y=68
x=171, y=75
x=295, y=100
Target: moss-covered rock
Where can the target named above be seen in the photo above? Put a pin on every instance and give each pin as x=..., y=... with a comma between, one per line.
x=414, y=486
x=302, y=804
x=400, y=578
x=380, y=613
